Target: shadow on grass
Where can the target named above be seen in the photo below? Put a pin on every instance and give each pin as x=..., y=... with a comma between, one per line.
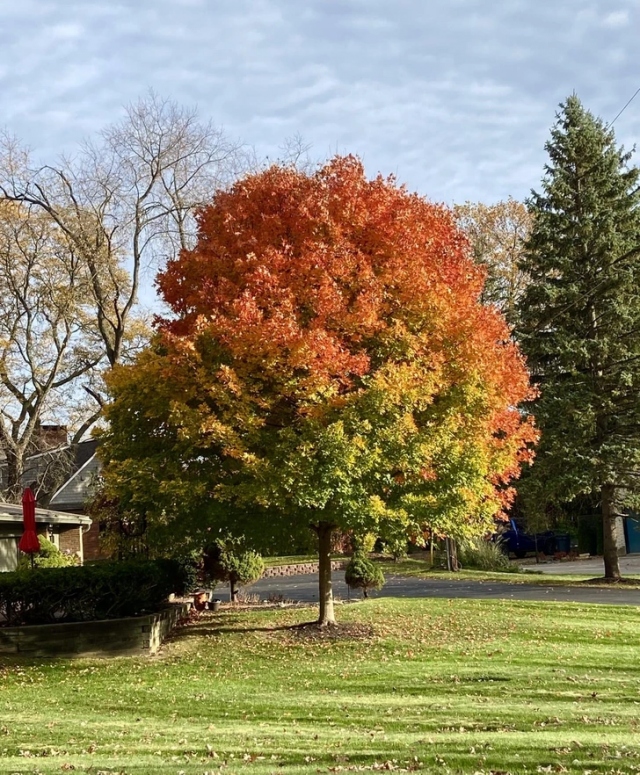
x=223, y=624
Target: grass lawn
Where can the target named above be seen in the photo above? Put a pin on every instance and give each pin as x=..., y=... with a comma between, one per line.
x=441, y=686
x=421, y=568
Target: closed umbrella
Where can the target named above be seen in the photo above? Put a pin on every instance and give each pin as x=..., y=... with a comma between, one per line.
x=29, y=543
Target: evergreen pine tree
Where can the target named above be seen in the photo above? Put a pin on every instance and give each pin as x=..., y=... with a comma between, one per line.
x=580, y=320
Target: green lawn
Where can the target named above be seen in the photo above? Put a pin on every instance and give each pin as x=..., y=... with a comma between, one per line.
x=430, y=685
x=421, y=568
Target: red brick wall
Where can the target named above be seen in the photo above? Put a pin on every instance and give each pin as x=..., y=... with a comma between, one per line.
x=70, y=540
x=92, y=549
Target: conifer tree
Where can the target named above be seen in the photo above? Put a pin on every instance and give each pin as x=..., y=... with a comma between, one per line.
x=580, y=320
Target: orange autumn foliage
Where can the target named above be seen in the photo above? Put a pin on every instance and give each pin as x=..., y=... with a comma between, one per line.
x=328, y=361
x=311, y=283
x=307, y=271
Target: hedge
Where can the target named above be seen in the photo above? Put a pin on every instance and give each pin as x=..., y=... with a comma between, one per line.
x=88, y=593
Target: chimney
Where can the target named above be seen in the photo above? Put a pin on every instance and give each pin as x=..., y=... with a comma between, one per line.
x=50, y=437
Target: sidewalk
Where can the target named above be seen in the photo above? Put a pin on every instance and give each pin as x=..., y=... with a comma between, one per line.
x=593, y=566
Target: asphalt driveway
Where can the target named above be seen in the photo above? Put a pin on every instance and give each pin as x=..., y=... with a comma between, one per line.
x=304, y=588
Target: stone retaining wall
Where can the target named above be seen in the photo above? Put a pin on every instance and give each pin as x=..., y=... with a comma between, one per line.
x=299, y=568
x=109, y=637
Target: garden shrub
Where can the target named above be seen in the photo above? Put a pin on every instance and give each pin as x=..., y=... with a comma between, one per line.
x=363, y=574
x=227, y=561
x=49, y=556
x=481, y=554
x=396, y=547
x=86, y=593
x=364, y=543
x=182, y=572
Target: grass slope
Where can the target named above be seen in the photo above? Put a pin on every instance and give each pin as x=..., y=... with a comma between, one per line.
x=431, y=685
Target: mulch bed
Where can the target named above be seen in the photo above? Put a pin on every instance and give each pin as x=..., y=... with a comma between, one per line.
x=312, y=631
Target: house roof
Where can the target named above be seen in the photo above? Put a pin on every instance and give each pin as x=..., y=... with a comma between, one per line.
x=70, y=468
x=12, y=512
x=36, y=466
x=75, y=491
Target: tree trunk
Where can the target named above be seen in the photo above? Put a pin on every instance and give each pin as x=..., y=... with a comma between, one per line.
x=14, y=469
x=327, y=615
x=452, y=555
x=233, y=591
x=611, y=563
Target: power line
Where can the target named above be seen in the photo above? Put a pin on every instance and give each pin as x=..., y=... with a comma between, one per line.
x=625, y=107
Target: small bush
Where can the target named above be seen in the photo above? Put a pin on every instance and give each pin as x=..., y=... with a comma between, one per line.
x=49, y=556
x=362, y=574
x=481, y=554
x=87, y=593
x=364, y=543
x=396, y=547
x=182, y=573
x=227, y=561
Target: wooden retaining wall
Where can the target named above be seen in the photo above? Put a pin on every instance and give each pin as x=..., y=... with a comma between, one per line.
x=109, y=637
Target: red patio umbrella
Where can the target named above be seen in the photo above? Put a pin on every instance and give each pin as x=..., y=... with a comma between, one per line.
x=29, y=543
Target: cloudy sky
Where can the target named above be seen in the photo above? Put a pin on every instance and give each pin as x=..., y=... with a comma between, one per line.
x=455, y=97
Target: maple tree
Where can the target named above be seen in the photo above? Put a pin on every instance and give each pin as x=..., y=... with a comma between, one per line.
x=328, y=363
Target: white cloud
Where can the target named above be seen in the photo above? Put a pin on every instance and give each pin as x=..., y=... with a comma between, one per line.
x=616, y=19
x=456, y=97
x=70, y=31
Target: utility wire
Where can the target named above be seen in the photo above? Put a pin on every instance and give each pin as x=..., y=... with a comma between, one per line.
x=625, y=107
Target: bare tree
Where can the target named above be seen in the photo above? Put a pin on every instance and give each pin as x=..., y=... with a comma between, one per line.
x=296, y=152
x=121, y=206
x=48, y=341
x=127, y=201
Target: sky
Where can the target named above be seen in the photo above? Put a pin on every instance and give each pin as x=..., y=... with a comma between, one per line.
x=454, y=97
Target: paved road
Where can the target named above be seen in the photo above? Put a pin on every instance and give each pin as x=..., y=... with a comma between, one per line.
x=305, y=589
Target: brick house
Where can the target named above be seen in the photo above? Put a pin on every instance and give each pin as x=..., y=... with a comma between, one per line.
x=67, y=532
x=74, y=493
x=61, y=477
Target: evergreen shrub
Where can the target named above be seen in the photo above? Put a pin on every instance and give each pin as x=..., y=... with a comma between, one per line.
x=363, y=574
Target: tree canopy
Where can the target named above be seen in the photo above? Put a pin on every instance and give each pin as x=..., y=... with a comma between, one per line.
x=328, y=363
x=497, y=234
x=580, y=319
